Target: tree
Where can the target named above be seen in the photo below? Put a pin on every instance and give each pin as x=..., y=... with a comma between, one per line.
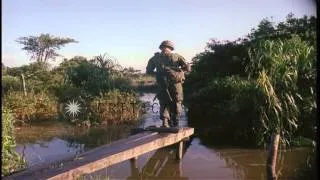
x=265, y=28
x=96, y=76
x=304, y=27
x=44, y=47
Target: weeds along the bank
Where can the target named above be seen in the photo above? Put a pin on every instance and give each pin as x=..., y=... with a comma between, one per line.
x=116, y=107
x=31, y=108
x=10, y=159
x=112, y=107
x=104, y=94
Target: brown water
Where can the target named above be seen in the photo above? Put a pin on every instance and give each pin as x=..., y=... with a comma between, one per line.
x=51, y=142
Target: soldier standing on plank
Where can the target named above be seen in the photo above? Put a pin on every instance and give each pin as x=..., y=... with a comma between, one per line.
x=170, y=68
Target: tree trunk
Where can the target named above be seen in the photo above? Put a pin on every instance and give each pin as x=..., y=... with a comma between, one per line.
x=24, y=85
x=272, y=157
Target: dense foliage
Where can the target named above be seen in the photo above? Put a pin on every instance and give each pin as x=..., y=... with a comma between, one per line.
x=279, y=66
x=239, y=84
x=229, y=108
x=78, y=79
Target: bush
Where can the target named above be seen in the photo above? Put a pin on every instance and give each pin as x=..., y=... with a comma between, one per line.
x=65, y=93
x=228, y=108
x=10, y=160
x=97, y=76
x=10, y=83
x=33, y=107
x=115, y=107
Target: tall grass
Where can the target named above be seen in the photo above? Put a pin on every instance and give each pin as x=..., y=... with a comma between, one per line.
x=33, y=107
x=277, y=66
x=115, y=107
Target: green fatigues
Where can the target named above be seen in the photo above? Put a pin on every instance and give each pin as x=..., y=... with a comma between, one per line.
x=170, y=111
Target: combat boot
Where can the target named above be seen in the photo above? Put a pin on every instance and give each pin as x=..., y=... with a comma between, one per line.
x=175, y=122
x=165, y=123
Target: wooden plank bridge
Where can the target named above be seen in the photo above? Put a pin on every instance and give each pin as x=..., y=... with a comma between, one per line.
x=96, y=159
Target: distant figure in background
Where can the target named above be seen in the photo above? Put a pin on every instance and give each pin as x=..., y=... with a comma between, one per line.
x=170, y=68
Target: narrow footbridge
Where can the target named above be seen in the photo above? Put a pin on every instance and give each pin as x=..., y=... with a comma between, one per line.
x=96, y=159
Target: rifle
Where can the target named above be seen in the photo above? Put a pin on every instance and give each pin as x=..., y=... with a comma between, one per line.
x=165, y=90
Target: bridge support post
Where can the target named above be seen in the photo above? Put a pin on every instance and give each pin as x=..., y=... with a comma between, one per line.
x=134, y=167
x=179, y=150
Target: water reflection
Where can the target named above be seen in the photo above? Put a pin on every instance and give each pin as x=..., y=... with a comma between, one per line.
x=162, y=164
x=250, y=163
x=66, y=142
x=43, y=151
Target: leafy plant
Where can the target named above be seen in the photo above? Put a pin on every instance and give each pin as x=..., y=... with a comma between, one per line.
x=277, y=66
x=10, y=160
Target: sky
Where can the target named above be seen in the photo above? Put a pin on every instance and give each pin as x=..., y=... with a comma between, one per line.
x=131, y=31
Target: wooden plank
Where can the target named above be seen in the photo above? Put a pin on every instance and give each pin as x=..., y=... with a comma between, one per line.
x=45, y=166
x=111, y=154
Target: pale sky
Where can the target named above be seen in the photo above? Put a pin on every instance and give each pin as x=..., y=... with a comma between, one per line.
x=131, y=31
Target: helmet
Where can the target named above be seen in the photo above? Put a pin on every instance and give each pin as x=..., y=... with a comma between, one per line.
x=167, y=43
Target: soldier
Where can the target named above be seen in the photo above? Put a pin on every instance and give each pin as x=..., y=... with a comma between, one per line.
x=170, y=68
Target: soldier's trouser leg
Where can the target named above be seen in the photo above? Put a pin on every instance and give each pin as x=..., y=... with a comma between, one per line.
x=176, y=109
x=165, y=114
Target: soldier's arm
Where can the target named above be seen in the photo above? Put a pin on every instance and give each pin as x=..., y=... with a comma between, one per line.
x=184, y=65
x=150, y=67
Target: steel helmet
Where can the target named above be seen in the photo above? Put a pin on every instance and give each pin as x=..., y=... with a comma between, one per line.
x=167, y=43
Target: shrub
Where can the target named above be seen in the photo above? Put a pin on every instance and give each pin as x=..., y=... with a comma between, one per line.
x=227, y=107
x=115, y=107
x=33, y=107
x=10, y=83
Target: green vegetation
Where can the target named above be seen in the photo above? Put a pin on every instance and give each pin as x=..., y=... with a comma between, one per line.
x=33, y=107
x=10, y=160
x=10, y=83
x=256, y=85
x=280, y=67
x=37, y=93
x=97, y=84
x=258, y=88
x=227, y=107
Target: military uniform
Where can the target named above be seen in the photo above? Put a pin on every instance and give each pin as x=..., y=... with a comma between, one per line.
x=169, y=73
